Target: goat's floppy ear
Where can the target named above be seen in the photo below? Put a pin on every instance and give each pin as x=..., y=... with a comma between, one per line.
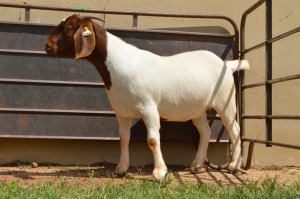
x=85, y=40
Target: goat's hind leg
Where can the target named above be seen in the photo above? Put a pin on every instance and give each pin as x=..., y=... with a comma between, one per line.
x=234, y=136
x=233, y=129
x=124, y=131
x=204, y=132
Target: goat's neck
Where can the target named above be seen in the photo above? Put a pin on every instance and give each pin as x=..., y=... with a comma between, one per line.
x=98, y=56
x=101, y=68
x=114, y=59
x=119, y=52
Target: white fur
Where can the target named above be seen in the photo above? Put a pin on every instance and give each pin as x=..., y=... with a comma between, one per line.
x=177, y=88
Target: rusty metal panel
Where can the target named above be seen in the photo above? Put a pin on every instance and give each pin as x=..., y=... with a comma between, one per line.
x=58, y=126
x=43, y=97
x=18, y=65
x=53, y=97
x=23, y=36
x=165, y=43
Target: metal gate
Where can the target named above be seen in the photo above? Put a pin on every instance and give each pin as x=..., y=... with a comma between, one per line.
x=44, y=97
x=268, y=117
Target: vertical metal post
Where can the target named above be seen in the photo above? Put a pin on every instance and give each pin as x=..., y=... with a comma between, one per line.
x=268, y=71
x=241, y=94
x=27, y=14
x=249, y=157
x=135, y=21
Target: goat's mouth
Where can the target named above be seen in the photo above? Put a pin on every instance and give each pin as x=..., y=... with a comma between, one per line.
x=50, y=49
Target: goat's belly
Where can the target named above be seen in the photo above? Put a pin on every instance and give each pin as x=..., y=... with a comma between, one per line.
x=126, y=111
x=167, y=112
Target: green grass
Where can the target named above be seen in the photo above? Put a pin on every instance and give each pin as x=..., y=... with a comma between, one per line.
x=268, y=188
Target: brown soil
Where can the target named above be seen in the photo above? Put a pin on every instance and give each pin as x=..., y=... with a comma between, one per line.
x=103, y=172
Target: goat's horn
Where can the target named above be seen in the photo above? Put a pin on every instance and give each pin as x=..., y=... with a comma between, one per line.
x=90, y=17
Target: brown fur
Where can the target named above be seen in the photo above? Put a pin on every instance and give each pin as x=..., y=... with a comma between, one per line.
x=66, y=40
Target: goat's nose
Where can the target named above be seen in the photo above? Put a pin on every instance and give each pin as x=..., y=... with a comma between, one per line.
x=48, y=45
x=49, y=48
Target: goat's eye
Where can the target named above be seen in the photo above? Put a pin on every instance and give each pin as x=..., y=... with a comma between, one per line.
x=68, y=29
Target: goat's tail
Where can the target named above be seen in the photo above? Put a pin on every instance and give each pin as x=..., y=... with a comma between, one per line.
x=236, y=65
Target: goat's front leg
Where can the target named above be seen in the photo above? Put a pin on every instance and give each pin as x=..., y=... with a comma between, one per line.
x=152, y=122
x=124, y=131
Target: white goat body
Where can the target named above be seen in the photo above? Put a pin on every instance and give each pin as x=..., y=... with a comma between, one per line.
x=143, y=85
x=182, y=86
x=176, y=88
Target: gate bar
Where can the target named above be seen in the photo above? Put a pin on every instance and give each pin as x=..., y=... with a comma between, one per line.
x=241, y=95
x=272, y=40
x=268, y=83
x=272, y=143
x=269, y=72
x=57, y=112
x=51, y=83
x=273, y=81
x=133, y=13
x=70, y=112
x=283, y=117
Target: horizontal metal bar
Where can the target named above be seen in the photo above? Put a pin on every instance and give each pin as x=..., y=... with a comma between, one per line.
x=134, y=13
x=271, y=143
x=112, y=29
x=253, y=85
x=273, y=81
x=173, y=32
x=23, y=51
x=280, y=117
x=68, y=112
x=51, y=83
x=57, y=112
x=84, y=138
x=59, y=137
x=176, y=32
x=272, y=40
x=284, y=79
x=156, y=14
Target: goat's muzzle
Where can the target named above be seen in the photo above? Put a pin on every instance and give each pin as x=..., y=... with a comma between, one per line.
x=50, y=48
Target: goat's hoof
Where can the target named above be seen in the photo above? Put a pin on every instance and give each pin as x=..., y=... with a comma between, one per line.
x=159, y=181
x=159, y=174
x=198, y=169
x=120, y=175
x=233, y=169
x=120, y=172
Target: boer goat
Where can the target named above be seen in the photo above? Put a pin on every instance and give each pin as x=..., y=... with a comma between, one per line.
x=140, y=84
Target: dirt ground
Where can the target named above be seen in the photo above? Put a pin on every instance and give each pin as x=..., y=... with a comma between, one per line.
x=101, y=173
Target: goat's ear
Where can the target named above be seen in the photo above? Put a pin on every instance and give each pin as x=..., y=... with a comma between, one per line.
x=85, y=40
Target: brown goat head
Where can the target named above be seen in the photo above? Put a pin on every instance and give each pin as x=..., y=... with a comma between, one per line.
x=74, y=37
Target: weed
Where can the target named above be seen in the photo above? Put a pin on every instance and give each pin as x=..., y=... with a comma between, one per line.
x=91, y=173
